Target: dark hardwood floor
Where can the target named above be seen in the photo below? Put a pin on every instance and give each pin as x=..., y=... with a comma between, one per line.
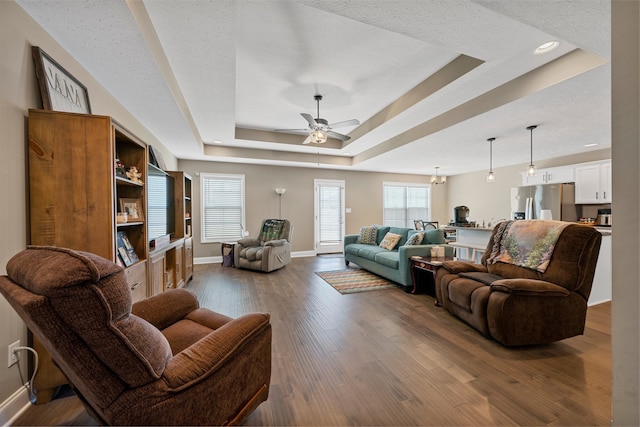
x=390, y=358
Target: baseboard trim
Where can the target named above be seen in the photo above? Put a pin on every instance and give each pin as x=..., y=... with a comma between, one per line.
x=14, y=406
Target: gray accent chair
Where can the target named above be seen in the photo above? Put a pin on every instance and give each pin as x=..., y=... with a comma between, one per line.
x=269, y=251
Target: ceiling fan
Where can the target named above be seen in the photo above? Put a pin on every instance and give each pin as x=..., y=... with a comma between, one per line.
x=319, y=129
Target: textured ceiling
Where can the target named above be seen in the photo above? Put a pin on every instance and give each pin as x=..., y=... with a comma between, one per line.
x=428, y=77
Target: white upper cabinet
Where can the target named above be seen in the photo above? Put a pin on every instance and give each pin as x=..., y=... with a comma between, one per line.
x=593, y=182
x=557, y=175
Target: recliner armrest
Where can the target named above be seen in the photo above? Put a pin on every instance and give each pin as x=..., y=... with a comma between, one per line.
x=529, y=287
x=248, y=242
x=204, y=357
x=280, y=242
x=456, y=267
x=165, y=309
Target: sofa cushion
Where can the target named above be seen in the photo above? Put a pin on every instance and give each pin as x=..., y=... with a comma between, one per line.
x=402, y=232
x=388, y=259
x=390, y=241
x=460, y=292
x=415, y=237
x=352, y=249
x=382, y=231
x=370, y=252
x=433, y=237
x=368, y=235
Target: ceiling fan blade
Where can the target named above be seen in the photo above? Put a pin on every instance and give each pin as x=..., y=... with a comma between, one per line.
x=352, y=122
x=307, y=141
x=309, y=118
x=337, y=135
x=303, y=131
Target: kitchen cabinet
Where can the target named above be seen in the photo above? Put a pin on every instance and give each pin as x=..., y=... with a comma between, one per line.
x=555, y=175
x=593, y=183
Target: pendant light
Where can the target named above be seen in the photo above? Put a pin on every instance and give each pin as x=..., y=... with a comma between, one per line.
x=435, y=179
x=531, y=169
x=491, y=177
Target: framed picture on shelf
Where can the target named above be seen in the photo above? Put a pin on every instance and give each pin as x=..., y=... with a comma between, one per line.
x=126, y=251
x=133, y=209
x=60, y=91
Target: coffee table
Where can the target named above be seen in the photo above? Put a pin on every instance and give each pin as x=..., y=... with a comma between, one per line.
x=430, y=265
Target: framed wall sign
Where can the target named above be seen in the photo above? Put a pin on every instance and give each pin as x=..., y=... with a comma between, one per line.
x=60, y=90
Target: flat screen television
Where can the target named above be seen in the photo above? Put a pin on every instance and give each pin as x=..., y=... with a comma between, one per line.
x=160, y=220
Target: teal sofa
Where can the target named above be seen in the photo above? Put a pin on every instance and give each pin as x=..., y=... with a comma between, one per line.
x=393, y=264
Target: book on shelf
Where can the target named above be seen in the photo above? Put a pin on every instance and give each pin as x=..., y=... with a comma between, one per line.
x=126, y=251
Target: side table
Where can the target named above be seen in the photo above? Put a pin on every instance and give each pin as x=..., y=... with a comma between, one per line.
x=429, y=265
x=227, y=259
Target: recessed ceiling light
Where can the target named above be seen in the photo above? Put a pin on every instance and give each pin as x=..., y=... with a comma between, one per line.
x=591, y=145
x=546, y=47
x=217, y=141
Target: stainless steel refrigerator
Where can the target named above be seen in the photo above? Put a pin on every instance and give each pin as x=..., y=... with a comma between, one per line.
x=542, y=201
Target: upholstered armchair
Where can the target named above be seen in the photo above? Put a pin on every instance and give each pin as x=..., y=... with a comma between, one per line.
x=269, y=251
x=532, y=285
x=164, y=361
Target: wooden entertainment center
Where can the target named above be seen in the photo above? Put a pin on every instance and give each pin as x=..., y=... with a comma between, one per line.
x=86, y=171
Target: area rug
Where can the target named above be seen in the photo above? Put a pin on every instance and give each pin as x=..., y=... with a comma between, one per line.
x=351, y=281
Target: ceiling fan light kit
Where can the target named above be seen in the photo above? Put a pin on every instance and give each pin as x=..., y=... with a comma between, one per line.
x=319, y=129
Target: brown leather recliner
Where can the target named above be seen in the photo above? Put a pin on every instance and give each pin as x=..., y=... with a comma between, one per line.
x=516, y=305
x=164, y=361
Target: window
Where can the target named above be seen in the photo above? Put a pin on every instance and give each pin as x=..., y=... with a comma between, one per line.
x=222, y=198
x=404, y=203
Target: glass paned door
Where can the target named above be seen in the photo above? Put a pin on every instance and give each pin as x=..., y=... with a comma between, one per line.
x=329, y=216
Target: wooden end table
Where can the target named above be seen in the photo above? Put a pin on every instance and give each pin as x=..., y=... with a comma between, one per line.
x=430, y=265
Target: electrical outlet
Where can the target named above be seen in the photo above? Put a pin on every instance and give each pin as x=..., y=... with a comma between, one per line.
x=11, y=357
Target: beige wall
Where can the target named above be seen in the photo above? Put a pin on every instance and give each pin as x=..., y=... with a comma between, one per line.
x=625, y=138
x=19, y=92
x=363, y=194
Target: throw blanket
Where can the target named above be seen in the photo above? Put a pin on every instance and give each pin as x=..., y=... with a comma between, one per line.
x=271, y=230
x=526, y=244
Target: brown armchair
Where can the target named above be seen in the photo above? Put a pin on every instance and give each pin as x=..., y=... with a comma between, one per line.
x=164, y=361
x=269, y=251
x=518, y=305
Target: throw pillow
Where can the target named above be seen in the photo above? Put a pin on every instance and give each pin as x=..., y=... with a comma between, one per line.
x=415, y=239
x=390, y=241
x=368, y=235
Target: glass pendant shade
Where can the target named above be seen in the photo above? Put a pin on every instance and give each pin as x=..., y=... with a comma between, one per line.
x=491, y=177
x=318, y=136
x=435, y=179
x=531, y=170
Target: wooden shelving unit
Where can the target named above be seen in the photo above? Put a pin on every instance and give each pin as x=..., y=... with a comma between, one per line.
x=74, y=197
x=182, y=199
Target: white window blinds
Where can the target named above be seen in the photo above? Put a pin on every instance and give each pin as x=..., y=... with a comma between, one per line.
x=330, y=213
x=222, y=207
x=404, y=203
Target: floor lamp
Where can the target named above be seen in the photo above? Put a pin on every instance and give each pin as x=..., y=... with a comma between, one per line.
x=280, y=191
